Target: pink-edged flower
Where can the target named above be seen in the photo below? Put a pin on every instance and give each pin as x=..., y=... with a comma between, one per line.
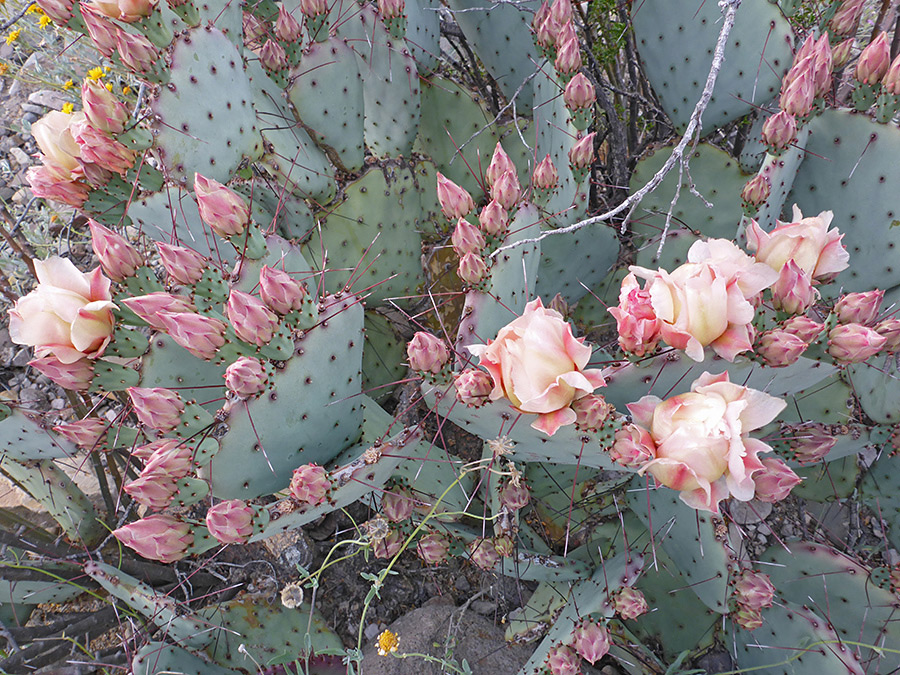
x=151, y=307
x=562, y=660
x=156, y=407
x=397, y=504
x=579, y=93
x=815, y=249
x=630, y=603
x=86, y=433
x=281, y=293
x=514, y=497
x=483, y=553
x=433, y=548
x=636, y=321
x=183, y=265
x=427, y=353
x=201, y=335
x=473, y=386
x=633, y=447
x=155, y=492
x=539, y=366
x=466, y=238
x=232, y=521
x=591, y=641
x=252, y=321
x=472, y=269
x=119, y=258
x=136, y=52
x=591, y=412
x=775, y=481
x=811, y=442
x=224, y=210
x=779, y=348
x=49, y=181
x=506, y=190
x=158, y=537
x=500, y=164
x=287, y=28
x=455, y=201
x=246, y=377
x=854, y=343
x=493, y=219
x=76, y=376
x=103, y=110
x=859, y=307
x=779, y=130
x=875, y=60
x=545, y=176
x=68, y=316
x=754, y=590
x=803, y=327
x=310, y=484
x=125, y=10
x=581, y=156
x=701, y=438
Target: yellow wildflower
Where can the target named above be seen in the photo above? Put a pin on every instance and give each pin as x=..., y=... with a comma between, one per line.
x=108, y=86
x=68, y=108
x=4, y=67
x=45, y=21
x=126, y=90
x=68, y=85
x=13, y=36
x=387, y=643
x=34, y=9
x=96, y=73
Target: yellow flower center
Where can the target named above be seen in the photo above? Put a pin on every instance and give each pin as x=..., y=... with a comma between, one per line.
x=13, y=36
x=387, y=643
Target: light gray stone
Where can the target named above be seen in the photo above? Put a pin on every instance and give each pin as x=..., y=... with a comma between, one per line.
x=48, y=98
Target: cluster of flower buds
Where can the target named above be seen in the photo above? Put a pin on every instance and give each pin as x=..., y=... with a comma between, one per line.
x=808, y=79
x=854, y=339
x=784, y=345
x=157, y=483
x=810, y=442
x=555, y=37
x=753, y=592
x=845, y=20
x=175, y=315
x=135, y=51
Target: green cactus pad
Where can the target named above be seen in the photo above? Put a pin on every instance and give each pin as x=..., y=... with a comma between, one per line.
x=562, y=272
x=25, y=438
x=206, y=121
x=159, y=657
x=383, y=356
x=327, y=93
x=21, y=592
x=676, y=40
x=528, y=622
x=879, y=490
x=781, y=172
x=423, y=33
x=829, y=401
x=171, y=366
x=878, y=388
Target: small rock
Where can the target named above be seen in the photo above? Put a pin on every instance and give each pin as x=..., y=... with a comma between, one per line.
x=20, y=156
x=462, y=584
x=30, y=117
x=48, y=98
x=21, y=359
x=58, y=404
x=33, y=398
x=484, y=607
x=747, y=513
x=6, y=193
x=32, y=108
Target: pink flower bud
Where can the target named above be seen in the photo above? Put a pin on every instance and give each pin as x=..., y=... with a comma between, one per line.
x=754, y=590
x=473, y=386
x=824, y=65
x=633, y=447
x=483, y=553
x=102, y=32
x=146, y=452
x=231, y=522
x=854, y=343
x=561, y=11
x=466, y=238
x=128, y=11
x=591, y=412
x=58, y=10
x=811, y=442
x=636, y=321
x=505, y=546
x=591, y=641
x=874, y=61
x=117, y=256
x=506, y=191
x=793, y=292
x=47, y=183
x=493, y=219
x=559, y=304
x=891, y=81
x=799, y=94
x=103, y=110
x=803, y=327
x=149, y=307
x=252, y=321
x=280, y=291
x=427, y=353
x=562, y=660
x=568, y=58
x=201, y=335
x=630, y=603
x=172, y=460
x=579, y=93
x=389, y=546
x=313, y=8
x=155, y=492
x=840, y=54
x=222, y=209
x=779, y=348
x=846, y=18
x=858, y=307
x=546, y=30
x=392, y=9
x=756, y=190
x=889, y=329
x=581, y=156
x=254, y=30
x=514, y=497
x=75, y=376
x=246, y=377
x=272, y=56
x=156, y=407
x=775, y=481
x=472, y=269
x=287, y=28
x=433, y=548
x=310, y=484
x=86, y=433
x=779, y=131
x=500, y=164
x=157, y=537
x=397, y=504
x=747, y=618
x=136, y=52
x=183, y=265
x=545, y=176
x=98, y=147
x=455, y=201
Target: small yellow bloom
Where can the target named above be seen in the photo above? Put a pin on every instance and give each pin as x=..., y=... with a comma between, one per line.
x=96, y=73
x=126, y=90
x=4, y=67
x=13, y=36
x=34, y=9
x=45, y=21
x=68, y=108
x=105, y=69
x=68, y=85
x=387, y=643
x=108, y=86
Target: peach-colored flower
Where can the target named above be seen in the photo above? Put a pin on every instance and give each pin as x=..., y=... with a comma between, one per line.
x=539, y=366
x=807, y=241
x=69, y=314
x=54, y=138
x=702, y=446
x=636, y=321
